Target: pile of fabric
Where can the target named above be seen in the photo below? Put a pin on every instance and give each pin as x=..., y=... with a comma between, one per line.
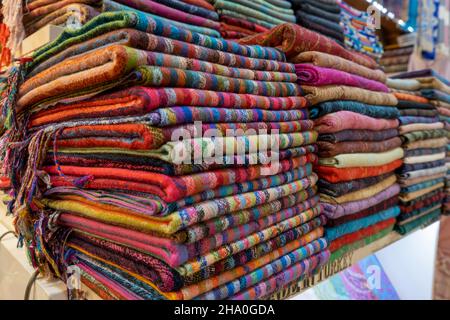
x=359, y=147
x=241, y=18
x=422, y=176
x=322, y=16
x=194, y=15
x=359, y=35
x=64, y=13
x=102, y=186
x=396, y=59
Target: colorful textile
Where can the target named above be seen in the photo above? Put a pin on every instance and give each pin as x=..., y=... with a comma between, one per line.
x=361, y=194
x=347, y=120
x=317, y=95
x=342, y=188
x=184, y=217
x=293, y=39
x=424, y=220
x=333, y=174
x=150, y=69
x=352, y=226
x=361, y=234
x=393, y=201
x=265, y=288
x=318, y=76
x=326, y=60
x=358, y=135
x=350, y=160
x=253, y=278
x=151, y=25
x=373, y=111
x=327, y=149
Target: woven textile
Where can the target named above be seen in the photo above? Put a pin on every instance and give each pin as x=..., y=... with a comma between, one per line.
x=341, y=92
x=319, y=76
x=353, y=106
x=293, y=39
x=342, y=188
x=358, y=135
x=327, y=149
x=347, y=120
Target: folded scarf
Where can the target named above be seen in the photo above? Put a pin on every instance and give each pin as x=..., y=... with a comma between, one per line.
x=166, y=187
x=414, y=181
x=191, y=291
x=145, y=205
x=420, y=127
x=140, y=68
x=422, y=73
x=408, y=218
x=373, y=111
x=360, y=238
x=412, y=215
x=326, y=60
x=422, y=185
x=293, y=39
x=283, y=278
x=231, y=22
x=334, y=175
x=253, y=278
x=405, y=104
x=344, y=120
x=342, y=188
x=264, y=16
x=393, y=201
x=316, y=95
x=420, y=166
x=213, y=150
x=424, y=151
x=169, y=44
x=323, y=5
x=361, y=194
x=436, y=95
x=191, y=23
x=258, y=10
x=426, y=143
x=352, y=226
x=423, y=172
x=405, y=197
x=175, y=254
x=423, y=135
x=414, y=119
x=422, y=201
x=396, y=50
x=433, y=83
x=73, y=15
x=37, y=9
x=319, y=76
x=410, y=97
x=358, y=135
x=151, y=25
x=350, y=160
x=320, y=25
x=419, y=221
x=387, y=62
x=334, y=211
x=418, y=112
x=424, y=158
x=327, y=149
x=319, y=12
x=403, y=84
x=184, y=217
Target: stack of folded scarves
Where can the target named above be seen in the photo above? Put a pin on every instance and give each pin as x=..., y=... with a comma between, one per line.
x=423, y=175
x=359, y=147
x=322, y=16
x=194, y=15
x=142, y=226
x=358, y=34
x=241, y=18
x=395, y=58
x=64, y=13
